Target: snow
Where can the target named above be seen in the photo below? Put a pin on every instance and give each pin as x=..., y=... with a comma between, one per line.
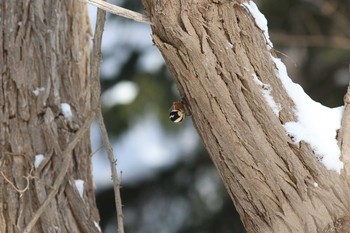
x=38, y=159
x=315, y=185
x=38, y=90
x=266, y=90
x=80, y=186
x=260, y=20
x=97, y=226
x=229, y=45
x=317, y=124
x=66, y=110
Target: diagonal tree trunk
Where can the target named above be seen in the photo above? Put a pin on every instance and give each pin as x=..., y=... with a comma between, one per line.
x=44, y=70
x=214, y=49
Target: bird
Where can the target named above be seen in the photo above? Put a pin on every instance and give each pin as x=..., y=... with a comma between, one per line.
x=178, y=111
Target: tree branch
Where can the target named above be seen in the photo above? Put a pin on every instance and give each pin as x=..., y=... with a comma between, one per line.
x=21, y=191
x=337, y=42
x=115, y=178
x=95, y=103
x=117, y=10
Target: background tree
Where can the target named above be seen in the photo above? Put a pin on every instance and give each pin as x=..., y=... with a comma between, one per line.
x=45, y=114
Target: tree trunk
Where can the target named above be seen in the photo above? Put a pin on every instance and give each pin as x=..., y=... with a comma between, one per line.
x=213, y=49
x=44, y=63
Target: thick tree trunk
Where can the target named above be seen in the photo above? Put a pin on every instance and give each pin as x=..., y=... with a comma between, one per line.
x=213, y=49
x=44, y=62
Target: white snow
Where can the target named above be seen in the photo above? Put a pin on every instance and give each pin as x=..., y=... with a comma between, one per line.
x=38, y=159
x=317, y=124
x=66, y=110
x=38, y=90
x=315, y=185
x=229, y=45
x=80, y=186
x=266, y=90
x=97, y=226
x=260, y=20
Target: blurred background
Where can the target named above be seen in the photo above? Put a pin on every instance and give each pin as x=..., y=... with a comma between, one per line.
x=169, y=184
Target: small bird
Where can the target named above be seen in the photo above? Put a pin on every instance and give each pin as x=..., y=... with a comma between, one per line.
x=178, y=111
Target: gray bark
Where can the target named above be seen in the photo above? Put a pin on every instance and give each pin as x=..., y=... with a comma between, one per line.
x=44, y=46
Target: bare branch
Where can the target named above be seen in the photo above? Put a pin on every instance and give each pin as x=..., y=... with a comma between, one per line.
x=311, y=40
x=115, y=178
x=117, y=10
x=95, y=103
x=21, y=191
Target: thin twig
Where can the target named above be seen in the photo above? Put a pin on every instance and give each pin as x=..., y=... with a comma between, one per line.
x=21, y=191
x=117, y=10
x=96, y=103
x=97, y=150
x=115, y=178
x=337, y=42
x=67, y=155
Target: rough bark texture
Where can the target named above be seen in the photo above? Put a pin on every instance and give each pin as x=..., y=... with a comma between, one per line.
x=213, y=48
x=44, y=46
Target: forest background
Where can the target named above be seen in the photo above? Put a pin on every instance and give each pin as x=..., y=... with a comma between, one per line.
x=169, y=183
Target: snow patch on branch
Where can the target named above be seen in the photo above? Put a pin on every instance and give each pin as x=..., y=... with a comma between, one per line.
x=38, y=159
x=66, y=111
x=37, y=90
x=260, y=20
x=266, y=90
x=317, y=124
x=79, y=184
x=97, y=226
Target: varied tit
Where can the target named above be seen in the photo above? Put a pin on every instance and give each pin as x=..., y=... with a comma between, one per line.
x=178, y=112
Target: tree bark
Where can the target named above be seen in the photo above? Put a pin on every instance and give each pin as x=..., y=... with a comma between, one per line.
x=213, y=49
x=44, y=62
